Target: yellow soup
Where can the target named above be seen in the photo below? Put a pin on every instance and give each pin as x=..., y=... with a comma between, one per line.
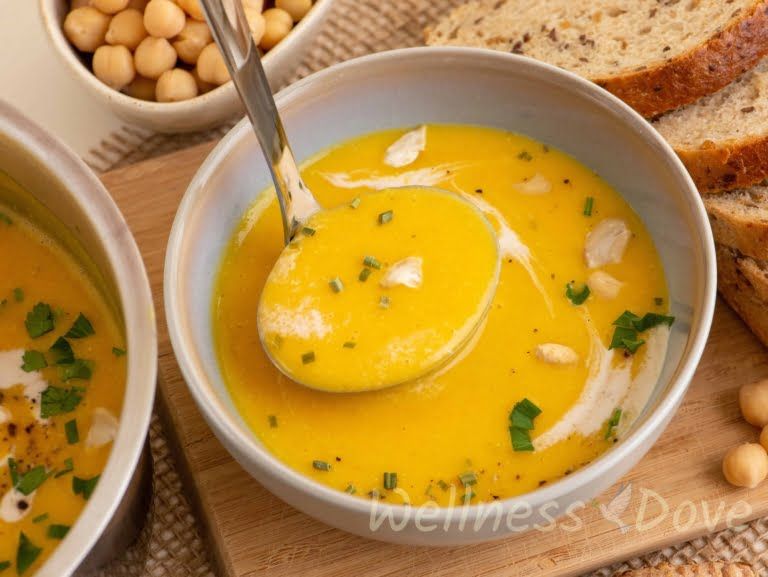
x=571, y=347
x=371, y=295
x=62, y=378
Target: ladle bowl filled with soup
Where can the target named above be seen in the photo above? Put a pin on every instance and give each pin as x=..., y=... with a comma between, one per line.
x=604, y=296
x=77, y=362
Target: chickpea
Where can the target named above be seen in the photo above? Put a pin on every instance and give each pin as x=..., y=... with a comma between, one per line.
x=296, y=8
x=254, y=5
x=753, y=400
x=202, y=85
x=192, y=7
x=746, y=465
x=79, y=4
x=191, y=40
x=138, y=5
x=85, y=28
x=142, y=88
x=256, y=23
x=764, y=437
x=109, y=6
x=175, y=85
x=127, y=29
x=163, y=19
x=153, y=57
x=211, y=67
x=113, y=65
x=277, y=25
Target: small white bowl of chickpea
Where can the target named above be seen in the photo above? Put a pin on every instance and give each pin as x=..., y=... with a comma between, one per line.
x=155, y=63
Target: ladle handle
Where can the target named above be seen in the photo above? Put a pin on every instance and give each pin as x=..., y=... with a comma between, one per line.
x=230, y=29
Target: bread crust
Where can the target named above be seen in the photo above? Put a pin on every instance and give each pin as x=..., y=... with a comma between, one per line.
x=698, y=72
x=708, y=569
x=730, y=229
x=728, y=165
x=741, y=295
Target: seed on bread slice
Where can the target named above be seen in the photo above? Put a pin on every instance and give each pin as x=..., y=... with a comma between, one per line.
x=656, y=55
x=709, y=569
x=723, y=138
x=743, y=291
x=739, y=220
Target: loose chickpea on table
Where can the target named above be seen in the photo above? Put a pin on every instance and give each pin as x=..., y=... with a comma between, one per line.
x=747, y=465
x=162, y=50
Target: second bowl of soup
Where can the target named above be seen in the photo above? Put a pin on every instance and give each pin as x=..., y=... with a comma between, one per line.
x=604, y=296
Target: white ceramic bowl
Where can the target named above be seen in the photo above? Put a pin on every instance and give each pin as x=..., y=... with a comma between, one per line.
x=201, y=113
x=55, y=177
x=454, y=85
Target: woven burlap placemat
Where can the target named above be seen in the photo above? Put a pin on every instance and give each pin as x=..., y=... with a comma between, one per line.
x=172, y=545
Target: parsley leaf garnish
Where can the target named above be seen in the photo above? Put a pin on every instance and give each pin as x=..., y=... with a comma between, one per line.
x=84, y=487
x=613, y=422
x=26, y=554
x=33, y=361
x=118, y=352
x=79, y=369
x=57, y=401
x=39, y=320
x=626, y=335
x=577, y=294
x=81, y=328
x=62, y=352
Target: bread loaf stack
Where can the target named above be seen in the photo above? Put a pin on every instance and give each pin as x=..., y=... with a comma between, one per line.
x=697, y=69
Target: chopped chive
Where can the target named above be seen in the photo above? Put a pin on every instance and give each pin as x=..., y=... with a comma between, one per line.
x=355, y=202
x=26, y=554
x=80, y=329
x=69, y=466
x=523, y=414
x=613, y=422
x=4, y=565
x=443, y=485
x=390, y=481
x=308, y=231
x=18, y=294
x=39, y=320
x=469, y=495
x=364, y=274
x=588, y=206
x=272, y=421
x=84, y=487
x=468, y=478
x=350, y=489
x=525, y=155
x=31, y=480
x=576, y=293
x=372, y=261
x=307, y=358
x=321, y=466
x=73, y=435
x=5, y=219
x=384, y=302
x=13, y=469
x=118, y=352
x=386, y=217
x=521, y=439
x=57, y=531
x=336, y=285
x=62, y=352
x=40, y=518
x=33, y=361
x=349, y=345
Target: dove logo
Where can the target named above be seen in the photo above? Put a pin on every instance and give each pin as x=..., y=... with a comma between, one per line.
x=617, y=506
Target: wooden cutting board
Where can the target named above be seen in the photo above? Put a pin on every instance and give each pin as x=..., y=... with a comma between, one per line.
x=251, y=532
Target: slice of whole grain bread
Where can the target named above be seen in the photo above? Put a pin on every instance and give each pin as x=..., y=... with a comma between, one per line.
x=656, y=55
x=739, y=220
x=709, y=569
x=723, y=138
x=743, y=291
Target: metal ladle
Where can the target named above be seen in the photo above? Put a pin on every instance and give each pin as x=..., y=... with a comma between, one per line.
x=230, y=29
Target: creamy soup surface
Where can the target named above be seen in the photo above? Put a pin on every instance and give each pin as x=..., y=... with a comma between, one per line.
x=570, y=350
x=62, y=379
